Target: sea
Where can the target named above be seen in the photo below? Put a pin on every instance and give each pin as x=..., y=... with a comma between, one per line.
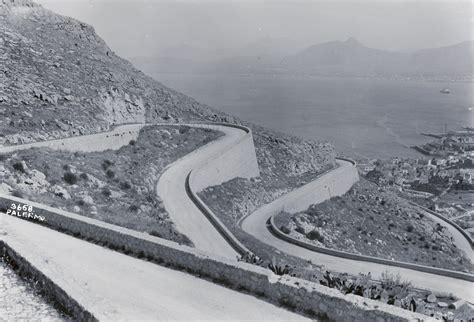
x=363, y=117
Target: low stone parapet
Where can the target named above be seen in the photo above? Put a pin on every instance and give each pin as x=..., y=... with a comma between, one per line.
x=427, y=269
x=301, y=295
x=23, y=268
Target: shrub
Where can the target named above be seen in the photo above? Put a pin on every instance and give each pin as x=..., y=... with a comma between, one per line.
x=18, y=166
x=315, y=235
x=3, y=157
x=132, y=142
x=156, y=233
x=133, y=208
x=278, y=269
x=70, y=178
x=183, y=130
x=83, y=176
x=285, y=229
x=106, y=192
x=106, y=164
x=125, y=185
x=110, y=174
x=150, y=198
x=17, y=193
x=300, y=230
x=66, y=167
x=391, y=281
x=410, y=228
x=251, y=259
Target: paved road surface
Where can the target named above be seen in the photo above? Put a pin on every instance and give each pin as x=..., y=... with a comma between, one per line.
x=188, y=218
x=113, y=286
x=255, y=224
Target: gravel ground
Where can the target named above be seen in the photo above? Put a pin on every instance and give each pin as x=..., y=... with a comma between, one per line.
x=20, y=301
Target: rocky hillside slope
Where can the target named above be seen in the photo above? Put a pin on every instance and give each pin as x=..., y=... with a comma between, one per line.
x=58, y=78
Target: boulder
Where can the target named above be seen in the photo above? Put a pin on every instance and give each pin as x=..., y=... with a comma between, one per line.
x=4, y=188
x=23, y=164
x=87, y=200
x=61, y=192
x=443, y=305
x=431, y=298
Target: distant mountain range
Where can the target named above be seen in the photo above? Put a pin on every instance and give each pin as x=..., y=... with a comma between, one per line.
x=353, y=58
x=345, y=58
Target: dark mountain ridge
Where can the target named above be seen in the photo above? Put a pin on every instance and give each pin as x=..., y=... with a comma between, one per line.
x=353, y=58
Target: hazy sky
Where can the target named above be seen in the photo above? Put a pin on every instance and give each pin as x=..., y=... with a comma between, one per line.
x=141, y=28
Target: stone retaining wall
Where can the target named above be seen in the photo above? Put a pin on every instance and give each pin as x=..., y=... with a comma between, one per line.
x=46, y=286
x=118, y=137
x=427, y=269
x=297, y=294
x=335, y=182
x=216, y=222
x=238, y=160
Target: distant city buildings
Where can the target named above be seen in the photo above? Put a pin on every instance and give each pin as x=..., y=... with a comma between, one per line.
x=442, y=181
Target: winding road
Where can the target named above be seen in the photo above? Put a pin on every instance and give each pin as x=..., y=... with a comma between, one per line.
x=187, y=217
x=190, y=220
x=256, y=225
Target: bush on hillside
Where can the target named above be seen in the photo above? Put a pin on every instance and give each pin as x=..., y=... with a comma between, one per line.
x=110, y=174
x=106, y=192
x=315, y=235
x=70, y=178
x=18, y=166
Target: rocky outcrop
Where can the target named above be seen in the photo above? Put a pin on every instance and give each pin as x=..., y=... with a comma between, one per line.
x=120, y=107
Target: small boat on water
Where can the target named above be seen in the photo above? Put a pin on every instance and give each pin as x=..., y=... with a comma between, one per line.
x=445, y=91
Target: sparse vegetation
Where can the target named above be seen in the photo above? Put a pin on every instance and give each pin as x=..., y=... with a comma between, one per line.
x=125, y=185
x=17, y=193
x=106, y=192
x=116, y=186
x=391, y=229
x=279, y=269
x=315, y=235
x=18, y=166
x=70, y=178
x=110, y=173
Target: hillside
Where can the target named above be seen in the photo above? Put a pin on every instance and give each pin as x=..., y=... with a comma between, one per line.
x=61, y=79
